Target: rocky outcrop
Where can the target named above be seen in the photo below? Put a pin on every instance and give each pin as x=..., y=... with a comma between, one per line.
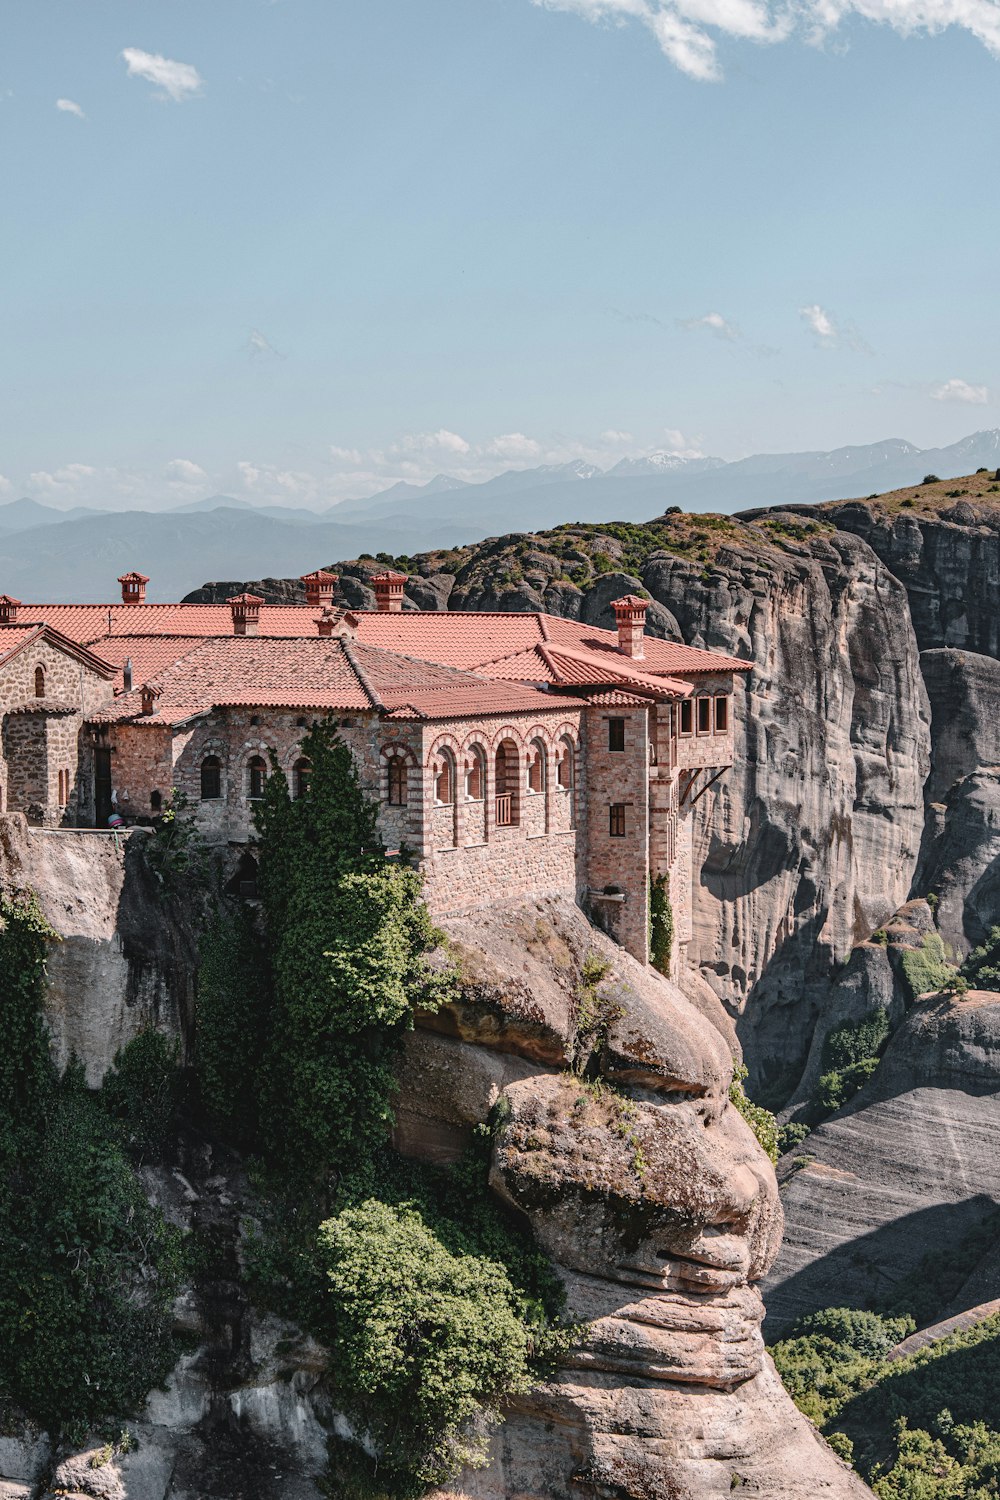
x=126, y=957
x=654, y=1201
x=907, y=1168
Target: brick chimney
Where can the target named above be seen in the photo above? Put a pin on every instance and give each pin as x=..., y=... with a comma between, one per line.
x=388, y=592
x=630, y=614
x=246, y=613
x=150, y=694
x=8, y=609
x=319, y=588
x=327, y=620
x=133, y=588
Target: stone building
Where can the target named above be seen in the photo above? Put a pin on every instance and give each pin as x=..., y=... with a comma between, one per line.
x=516, y=752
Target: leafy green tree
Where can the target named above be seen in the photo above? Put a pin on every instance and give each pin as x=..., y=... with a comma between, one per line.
x=425, y=1344
x=982, y=967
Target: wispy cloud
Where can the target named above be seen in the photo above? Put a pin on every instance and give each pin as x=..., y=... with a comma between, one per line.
x=442, y=442
x=258, y=345
x=715, y=323
x=687, y=31
x=832, y=333
x=185, y=471
x=70, y=107
x=172, y=80
x=961, y=390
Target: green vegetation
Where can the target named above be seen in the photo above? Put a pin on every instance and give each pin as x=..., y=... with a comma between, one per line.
x=913, y=1426
x=88, y=1269
x=661, y=923
x=851, y=1054
x=434, y=1303
x=981, y=969
x=595, y=1013
x=761, y=1121
x=926, y=968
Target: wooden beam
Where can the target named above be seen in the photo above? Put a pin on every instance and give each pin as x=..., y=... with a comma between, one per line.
x=709, y=783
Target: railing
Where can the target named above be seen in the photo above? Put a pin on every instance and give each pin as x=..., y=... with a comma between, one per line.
x=504, y=811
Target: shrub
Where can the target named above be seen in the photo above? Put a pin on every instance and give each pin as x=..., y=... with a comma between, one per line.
x=141, y=1093
x=981, y=969
x=661, y=923
x=231, y=1013
x=792, y=1135
x=930, y=479
x=420, y=1333
x=761, y=1121
x=925, y=968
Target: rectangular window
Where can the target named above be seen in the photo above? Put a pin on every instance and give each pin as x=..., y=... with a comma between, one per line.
x=687, y=717
x=704, y=715
x=616, y=734
x=721, y=715
x=616, y=820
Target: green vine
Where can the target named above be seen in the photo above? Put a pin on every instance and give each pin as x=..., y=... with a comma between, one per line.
x=661, y=923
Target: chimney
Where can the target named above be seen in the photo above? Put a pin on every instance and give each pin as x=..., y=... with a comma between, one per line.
x=246, y=613
x=388, y=592
x=8, y=609
x=319, y=588
x=149, y=696
x=327, y=620
x=127, y=675
x=133, y=588
x=630, y=614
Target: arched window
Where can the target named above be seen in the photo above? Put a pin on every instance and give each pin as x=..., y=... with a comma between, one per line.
x=564, y=766
x=211, y=778
x=39, y=682
x=475, y=775
x=256, y=777
x=63, y=788
x=536, y=767
x=397, y=781
x=506, y=775
x=301, y=772
x=444, y=779
x=155, y=801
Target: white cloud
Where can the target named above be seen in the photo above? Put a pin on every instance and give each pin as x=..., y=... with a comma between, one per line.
x=615, y=439
x=5, y=485
x=350, y=456
x=961, y=390
x=687, y=30
x=433, y=442
x=69, y=107
x=259, y=345
x=183, y=471
x=820, y=322
x=513, y=445
x=173, y=80
x=715, y=323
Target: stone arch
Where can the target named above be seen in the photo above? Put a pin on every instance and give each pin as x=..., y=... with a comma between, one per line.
x=537, y=779
x=211, y=749
x=39, y=681
x=508, y=758
x=396, y=763
x=252, y=751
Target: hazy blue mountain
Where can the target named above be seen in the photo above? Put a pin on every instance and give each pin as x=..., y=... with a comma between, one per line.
x=59, y=555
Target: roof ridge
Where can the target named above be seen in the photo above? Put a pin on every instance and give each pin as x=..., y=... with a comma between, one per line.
x=366, y=687
x=542, y=626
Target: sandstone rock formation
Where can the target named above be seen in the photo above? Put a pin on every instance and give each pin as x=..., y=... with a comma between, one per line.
x=906, y=1168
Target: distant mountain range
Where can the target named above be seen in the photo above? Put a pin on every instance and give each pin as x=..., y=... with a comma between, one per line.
x=55, y=555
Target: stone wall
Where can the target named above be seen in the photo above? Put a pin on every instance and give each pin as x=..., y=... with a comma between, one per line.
x=40, y=735
x=619, y=859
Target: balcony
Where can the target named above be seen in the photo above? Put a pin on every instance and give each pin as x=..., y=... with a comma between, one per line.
x=505, y=811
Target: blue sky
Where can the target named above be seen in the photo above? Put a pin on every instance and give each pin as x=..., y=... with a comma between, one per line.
x=296, y=249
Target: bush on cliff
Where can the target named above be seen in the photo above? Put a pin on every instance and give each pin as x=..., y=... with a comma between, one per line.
x=981, y=969
x=88, y=1268
x=851, y=1054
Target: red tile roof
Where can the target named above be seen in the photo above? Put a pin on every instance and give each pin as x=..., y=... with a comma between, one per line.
x=322, y=674
x=14, y=638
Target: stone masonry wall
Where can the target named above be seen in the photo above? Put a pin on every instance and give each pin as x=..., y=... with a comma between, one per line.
x=619, y=777
x=35, y=746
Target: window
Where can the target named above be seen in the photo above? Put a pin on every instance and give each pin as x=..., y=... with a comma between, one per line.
x=721, y=715
x=155, y=801
x=301, y=772
x=256, y=777
x=616, y=820
x=397, y=781
x=704, y=715
x=444, y=781
x=616, y=734
x=211, y=778
x=536, y=769
x=39, y=682
x=475, y=777
x=564, y=767
x=687, y=717
x=63, y=788
x=507, y=778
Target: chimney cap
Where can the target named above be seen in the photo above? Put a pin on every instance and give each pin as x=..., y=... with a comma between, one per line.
x=149, y=694
x=389, y=576
x=8, y=603
x=133, y=577
x=630, y=603
x=321, y=576
x=245, y=599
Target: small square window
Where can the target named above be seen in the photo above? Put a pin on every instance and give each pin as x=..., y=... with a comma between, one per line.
x=616, y=820
x=721, y=715
x=616, y=734
x=687, y=717
x=704, y=715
